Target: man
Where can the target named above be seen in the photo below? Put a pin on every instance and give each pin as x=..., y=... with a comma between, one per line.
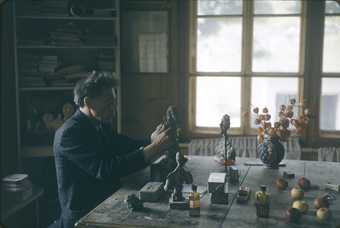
x=90, y=159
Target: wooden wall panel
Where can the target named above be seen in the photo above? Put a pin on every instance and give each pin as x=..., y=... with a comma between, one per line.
x=145, y=100
x=146, y=96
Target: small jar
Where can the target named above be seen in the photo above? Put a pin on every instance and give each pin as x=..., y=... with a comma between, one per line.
x=194, y=202
x=262, y=202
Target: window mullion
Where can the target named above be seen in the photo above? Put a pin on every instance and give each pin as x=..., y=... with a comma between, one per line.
x=193, y=37
x=312, y=67
x=247, y=41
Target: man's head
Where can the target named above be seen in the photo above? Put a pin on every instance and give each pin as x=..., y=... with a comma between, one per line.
x=96, y=97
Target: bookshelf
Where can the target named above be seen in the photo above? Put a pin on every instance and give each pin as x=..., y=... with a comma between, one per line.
x=57, y=43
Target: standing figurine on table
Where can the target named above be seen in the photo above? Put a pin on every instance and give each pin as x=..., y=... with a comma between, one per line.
x=229, y=152
x=176, y=179
x=166, y=164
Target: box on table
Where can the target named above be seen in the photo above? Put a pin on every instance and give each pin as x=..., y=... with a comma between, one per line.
x=151, y=192
x=216, y=180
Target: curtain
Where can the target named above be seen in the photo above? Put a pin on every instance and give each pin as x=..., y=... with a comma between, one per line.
x=245, y=146
x=331, y=154
x=9, y=150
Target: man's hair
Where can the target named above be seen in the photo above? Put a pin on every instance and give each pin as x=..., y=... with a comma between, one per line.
x=92, y=86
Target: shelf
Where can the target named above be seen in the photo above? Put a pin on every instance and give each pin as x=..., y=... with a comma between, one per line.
x=67, y=18
x=51, y=88
x=63, y=47
x=45, y=42
x=37, y=151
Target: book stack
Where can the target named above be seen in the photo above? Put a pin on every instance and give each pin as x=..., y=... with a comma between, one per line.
x=112, y=12
x=48, y=64
x=29, y=69
x=105, y=61
x=16, y=187
x=68, y=34
x=100, y=39
x=43, y=7
x=54, y=8
x=72, y=73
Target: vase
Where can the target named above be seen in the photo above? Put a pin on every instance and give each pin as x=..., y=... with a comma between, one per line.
x=271, y=151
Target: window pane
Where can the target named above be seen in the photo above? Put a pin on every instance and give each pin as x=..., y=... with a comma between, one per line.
x=272, y=93
x=330, y=104
x=276, y=44
x=216, y=96
x=218, y=7
x=219, y=44
x=332, y=7
x=331, y=49
x=277, y=6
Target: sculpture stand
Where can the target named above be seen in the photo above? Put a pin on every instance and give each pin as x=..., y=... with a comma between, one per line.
x=179, y=205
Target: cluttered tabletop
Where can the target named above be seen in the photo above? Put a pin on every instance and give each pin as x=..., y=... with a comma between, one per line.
x=297, y=194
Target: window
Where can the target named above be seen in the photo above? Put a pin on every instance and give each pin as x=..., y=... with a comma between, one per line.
x=330, y=81
x=243, y=54
x=219, y=52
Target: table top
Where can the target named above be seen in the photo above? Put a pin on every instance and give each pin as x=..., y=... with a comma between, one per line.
x=113, y=211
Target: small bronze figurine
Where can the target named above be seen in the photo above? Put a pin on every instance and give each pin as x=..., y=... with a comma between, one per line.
x=134, y=203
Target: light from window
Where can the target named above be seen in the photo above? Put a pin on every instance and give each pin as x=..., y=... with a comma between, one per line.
x=277, y=7
x=332, y=7
x=330, y=104
x=331, y=49
x=276, y=44
x=220, y=7
x=272, y=93
x=216, y=96
x=219, y=43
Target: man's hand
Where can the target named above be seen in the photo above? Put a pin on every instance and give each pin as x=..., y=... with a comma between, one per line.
x=161, y=141
x=158, y=130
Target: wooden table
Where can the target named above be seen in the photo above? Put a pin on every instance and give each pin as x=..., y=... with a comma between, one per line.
x=113, y=212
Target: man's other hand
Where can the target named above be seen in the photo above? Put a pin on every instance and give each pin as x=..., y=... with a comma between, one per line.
x=156, y=132
x=161, y=141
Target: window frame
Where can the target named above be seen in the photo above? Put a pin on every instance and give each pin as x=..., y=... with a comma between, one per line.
x=324, y=134
x=246, y=73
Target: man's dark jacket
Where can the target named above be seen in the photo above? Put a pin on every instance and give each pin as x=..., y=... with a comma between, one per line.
x=90, y=160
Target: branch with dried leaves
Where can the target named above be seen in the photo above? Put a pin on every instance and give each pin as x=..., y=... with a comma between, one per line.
x=287, y=122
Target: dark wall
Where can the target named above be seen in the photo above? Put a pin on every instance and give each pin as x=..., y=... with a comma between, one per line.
x=9, y=154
